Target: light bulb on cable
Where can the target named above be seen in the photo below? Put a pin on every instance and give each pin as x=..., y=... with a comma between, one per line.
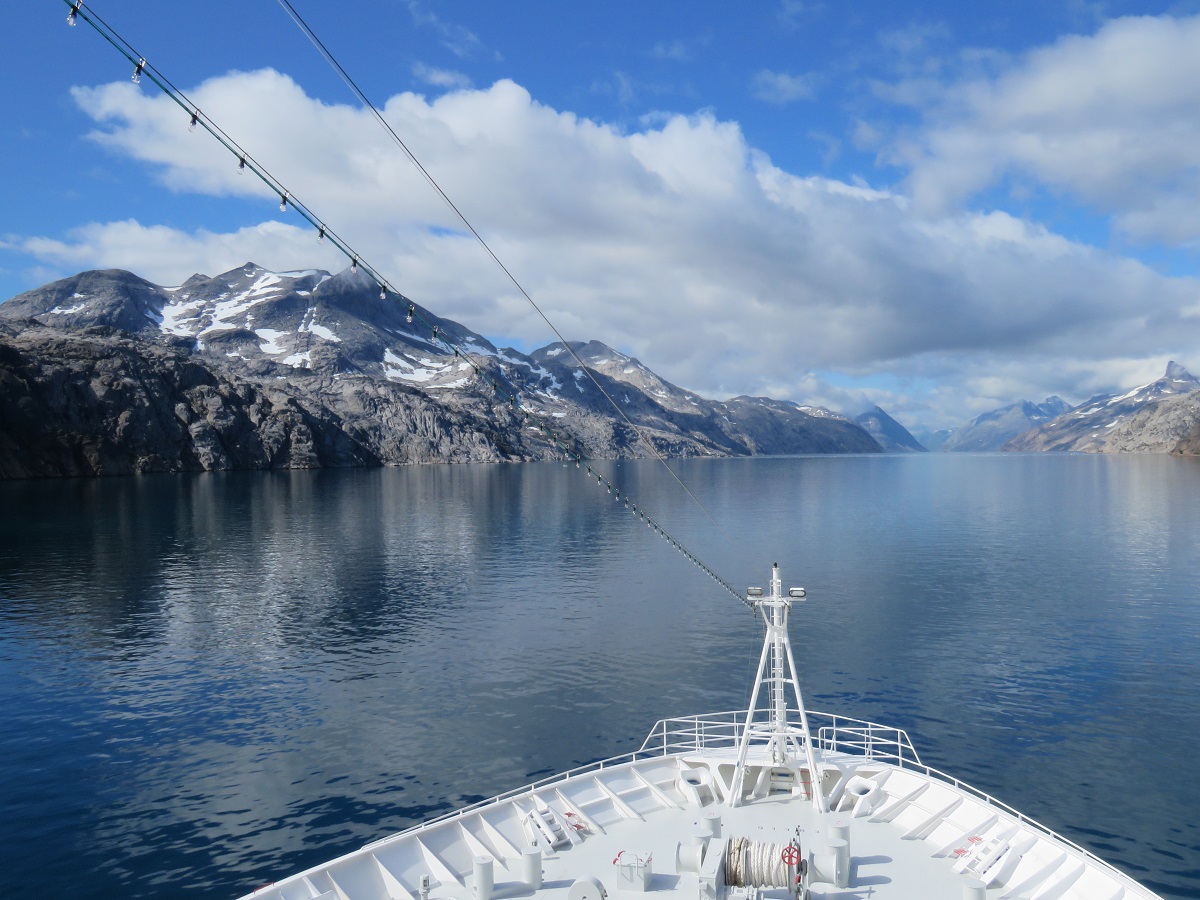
x=321, y=235
x=354, y=266
x=74, y=13
x=137, y=72
x=241, y=165
x=382, y=292
x=193, y=123
x=408, y=318
x=283, y=201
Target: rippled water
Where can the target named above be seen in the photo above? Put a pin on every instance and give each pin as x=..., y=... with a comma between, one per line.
x=208, y=682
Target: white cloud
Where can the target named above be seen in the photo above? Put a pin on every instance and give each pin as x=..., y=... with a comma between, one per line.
x=1112, y=119
x=676, y=50
x=678, y=243
x=794, y=12
x=442, y=78
x=781, y=88
x=167, y=256
x=458, y=39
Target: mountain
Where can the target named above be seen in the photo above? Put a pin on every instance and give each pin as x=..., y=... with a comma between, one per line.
x=1160, y=417
x=888, y=433
x=105, y=372
x=994, y=429
x=742, y=425
x=933, y=440
x=98, y=401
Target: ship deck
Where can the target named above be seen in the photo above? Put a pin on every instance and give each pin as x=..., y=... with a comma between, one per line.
x=661, y=822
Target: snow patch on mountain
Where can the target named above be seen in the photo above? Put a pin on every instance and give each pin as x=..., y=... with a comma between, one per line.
x=270, y=338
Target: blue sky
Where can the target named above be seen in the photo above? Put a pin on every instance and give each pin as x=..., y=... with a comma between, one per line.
x=937, y=207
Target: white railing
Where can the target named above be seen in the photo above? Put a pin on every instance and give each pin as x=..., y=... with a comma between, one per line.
x=719, y=731
x=716, y=731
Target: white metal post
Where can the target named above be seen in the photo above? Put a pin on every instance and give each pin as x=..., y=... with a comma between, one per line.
x=777, y=667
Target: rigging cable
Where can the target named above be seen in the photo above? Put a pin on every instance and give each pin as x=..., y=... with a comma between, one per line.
x=287, y=199
x=366, y=101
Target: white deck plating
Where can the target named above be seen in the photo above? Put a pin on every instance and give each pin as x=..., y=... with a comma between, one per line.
x=726, y=806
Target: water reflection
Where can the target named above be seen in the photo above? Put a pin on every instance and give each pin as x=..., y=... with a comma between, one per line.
x=214, y=680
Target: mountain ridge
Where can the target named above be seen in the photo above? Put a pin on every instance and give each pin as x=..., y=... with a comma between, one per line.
x=1162, y=416
x=992, y=430
x=344, y=362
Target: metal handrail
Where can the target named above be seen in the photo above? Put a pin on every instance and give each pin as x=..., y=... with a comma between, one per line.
x=723, y=730
x=690, y=733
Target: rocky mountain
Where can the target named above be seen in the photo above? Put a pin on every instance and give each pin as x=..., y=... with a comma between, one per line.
x=1160, y=417
x=106, y=373
x=96, y=400
x=742, y=425
x=888, y=433
x=994, y=429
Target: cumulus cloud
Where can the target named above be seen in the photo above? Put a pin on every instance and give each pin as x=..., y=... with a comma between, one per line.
x=679, y=243
x=1112, y=119
x=163, y=255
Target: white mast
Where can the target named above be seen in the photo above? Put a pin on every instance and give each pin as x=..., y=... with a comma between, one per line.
x=777, y=669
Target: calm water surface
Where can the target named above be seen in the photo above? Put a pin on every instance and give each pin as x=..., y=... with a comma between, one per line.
x=209, y=682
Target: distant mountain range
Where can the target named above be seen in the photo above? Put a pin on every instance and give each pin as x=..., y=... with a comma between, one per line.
x=1160, y=417
x=107, y=373
x=992, y=430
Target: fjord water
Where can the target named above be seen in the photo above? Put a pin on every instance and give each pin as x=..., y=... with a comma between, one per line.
x=209, y=682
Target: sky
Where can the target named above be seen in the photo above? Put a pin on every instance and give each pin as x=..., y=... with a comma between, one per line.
x=939, y=208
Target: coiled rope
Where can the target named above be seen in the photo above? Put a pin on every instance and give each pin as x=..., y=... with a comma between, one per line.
x=756, y=864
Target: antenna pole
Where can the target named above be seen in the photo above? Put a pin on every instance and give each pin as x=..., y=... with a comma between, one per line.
x=784, y=741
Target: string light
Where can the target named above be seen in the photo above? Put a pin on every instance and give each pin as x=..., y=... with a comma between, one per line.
x=354, y=265
x=321, y=235
x=193, y=123
x=74, y=13
x=137, y=71
x=241, y=165
x=283, y=199
x=411, y=310
x=382, y=292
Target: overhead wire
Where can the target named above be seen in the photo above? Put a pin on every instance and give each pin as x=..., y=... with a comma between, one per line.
x=288, y=199
x=369, y=104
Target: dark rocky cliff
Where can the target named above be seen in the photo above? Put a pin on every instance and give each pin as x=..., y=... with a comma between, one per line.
x=100, y=402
